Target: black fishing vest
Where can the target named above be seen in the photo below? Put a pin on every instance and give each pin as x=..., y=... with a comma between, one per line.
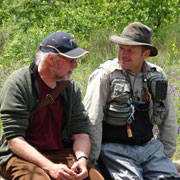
x=117, y=112
x=127, y=121
x=141, y=130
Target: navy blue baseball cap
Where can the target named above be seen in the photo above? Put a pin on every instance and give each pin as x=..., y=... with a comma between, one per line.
x=63, y=44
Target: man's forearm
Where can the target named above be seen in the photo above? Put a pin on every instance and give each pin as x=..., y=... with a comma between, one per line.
x=24, y=150
x=81, y=145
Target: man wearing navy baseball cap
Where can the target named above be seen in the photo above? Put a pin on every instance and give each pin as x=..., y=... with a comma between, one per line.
x=45, y=130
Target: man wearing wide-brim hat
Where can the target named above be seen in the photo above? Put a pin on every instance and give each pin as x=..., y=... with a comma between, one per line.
x=126, y=98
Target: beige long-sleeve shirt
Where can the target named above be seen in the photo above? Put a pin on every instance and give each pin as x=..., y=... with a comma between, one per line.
x=98, y=93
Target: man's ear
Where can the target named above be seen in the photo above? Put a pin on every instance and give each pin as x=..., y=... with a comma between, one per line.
x=51, y=60
x=146, y=53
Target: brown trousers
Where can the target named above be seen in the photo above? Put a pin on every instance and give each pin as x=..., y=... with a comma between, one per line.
x=19, y=169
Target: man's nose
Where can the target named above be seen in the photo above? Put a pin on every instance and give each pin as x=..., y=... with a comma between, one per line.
x=124, y=52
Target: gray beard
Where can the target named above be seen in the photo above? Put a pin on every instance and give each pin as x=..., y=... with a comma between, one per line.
x=65, y=78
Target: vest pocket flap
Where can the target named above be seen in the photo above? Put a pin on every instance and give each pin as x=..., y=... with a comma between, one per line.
x=112, y=114
x=116, y=121
x=119, y=108
x=114, y=111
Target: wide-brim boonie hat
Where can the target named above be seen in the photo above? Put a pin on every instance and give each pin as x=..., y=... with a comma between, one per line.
x=63, y=44
x=136, y=34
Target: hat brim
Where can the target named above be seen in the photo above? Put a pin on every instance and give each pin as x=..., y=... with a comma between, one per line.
x=75, y=53
x=129, y=42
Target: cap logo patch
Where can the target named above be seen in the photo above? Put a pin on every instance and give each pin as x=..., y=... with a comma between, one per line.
x=72, y=41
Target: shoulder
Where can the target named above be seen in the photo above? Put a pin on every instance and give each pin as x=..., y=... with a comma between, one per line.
x=105, y=69
x=155, y=67
x=19, y=75
x=19, y=81
x=111, y=65
x=154, y=70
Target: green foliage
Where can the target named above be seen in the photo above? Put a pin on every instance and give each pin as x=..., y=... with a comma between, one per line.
x=24, y=23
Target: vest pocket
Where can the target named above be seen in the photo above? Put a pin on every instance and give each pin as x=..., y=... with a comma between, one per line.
x=117, y=114
x=117, y=110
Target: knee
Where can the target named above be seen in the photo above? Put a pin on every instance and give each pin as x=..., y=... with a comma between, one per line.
x=94, y=174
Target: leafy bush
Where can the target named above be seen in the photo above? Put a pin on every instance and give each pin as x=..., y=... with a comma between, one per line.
x=27, y=21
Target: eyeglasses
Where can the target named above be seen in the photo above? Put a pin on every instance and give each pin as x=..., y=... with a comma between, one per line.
x=72, y=61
